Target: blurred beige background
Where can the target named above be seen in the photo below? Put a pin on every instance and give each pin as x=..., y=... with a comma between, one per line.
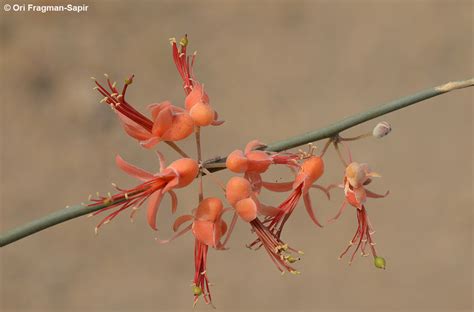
x=273, y=69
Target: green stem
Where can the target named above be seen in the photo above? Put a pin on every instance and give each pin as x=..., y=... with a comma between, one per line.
x=218, y=164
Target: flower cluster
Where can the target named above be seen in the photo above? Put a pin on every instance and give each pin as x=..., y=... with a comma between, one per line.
x=169, y=123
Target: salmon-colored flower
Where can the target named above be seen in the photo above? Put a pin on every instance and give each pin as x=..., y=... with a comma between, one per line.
x=197, y=101
x=168, y=123
x=207, y=227
x=356, y=177
x=253, y=162
x=310, y=171
x=178, y=174
x=244, y=200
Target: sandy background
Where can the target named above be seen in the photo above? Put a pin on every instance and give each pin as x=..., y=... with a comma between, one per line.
x=273, y=70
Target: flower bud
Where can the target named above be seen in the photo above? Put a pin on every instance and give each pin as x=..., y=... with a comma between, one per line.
x=381, y=129
x=379, y=262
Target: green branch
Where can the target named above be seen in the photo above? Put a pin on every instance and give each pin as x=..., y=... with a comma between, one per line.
x=217, y=164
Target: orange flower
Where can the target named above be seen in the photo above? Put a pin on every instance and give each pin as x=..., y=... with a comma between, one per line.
x=240, y=195
x=178, y=174
x=310, y=171
x=207, y=227
x=253, y=163
x=197, y=101
x=356, y=177
x=169, y=122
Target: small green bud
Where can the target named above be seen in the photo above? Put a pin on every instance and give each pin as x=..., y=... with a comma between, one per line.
x=197, y=291
x=379, y=262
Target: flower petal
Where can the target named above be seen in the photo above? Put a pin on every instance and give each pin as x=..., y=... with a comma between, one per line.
x=174, y=201
x=133, y=129
x=309, y=209
x=341, y=210
x=253, y=145
x=153, y=206
x=247, y=209
x=278, y=187
x=375, y=195
x=133, y=170
x=183, y=231
x=180, y=220
x=149, y=143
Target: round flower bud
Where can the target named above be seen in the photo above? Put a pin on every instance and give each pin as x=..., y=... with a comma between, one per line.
x=197, y=291
x=379, y=262
x=381, y=129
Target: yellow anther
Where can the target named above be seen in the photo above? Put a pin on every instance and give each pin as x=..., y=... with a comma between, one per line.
x=295, y=272
x=184, y=41
x=197, y=291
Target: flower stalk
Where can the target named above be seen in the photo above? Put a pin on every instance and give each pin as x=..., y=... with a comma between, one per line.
x=216, y=164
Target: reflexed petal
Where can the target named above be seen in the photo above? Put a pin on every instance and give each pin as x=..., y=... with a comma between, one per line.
x=278, y=186
x=375, y=195
x=133, y=129
x=132, y=170
x=180, y=220
x=150, y=142
x=253, y=145
x=309, y=209
x=153, y=206
x=174, y=201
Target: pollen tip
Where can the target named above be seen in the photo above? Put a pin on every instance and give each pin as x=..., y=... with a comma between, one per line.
x=67, y=206
x=93, y=78
x=106, y=76
x=90, y=215
x=96, y=230
x=295, y=272
x=90, y=197
x=301, y=252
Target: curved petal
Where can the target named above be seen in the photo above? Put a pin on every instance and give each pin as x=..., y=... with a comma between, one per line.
x=253, y=145
x=230, y=229
x=341, y=210
x=156, y=108
x=174, y=201
x=162, y=122
x=149, y=143
x=132, y=128
x=183, y=231
x=216, y=121
x=322, y=188
x=171, y=184
x=309, y=209
x=278, y=186
x=180, y=220
x=375, y=195
x=153, y=206
x=268, y=211
x=162, y=160
x=132, y=170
